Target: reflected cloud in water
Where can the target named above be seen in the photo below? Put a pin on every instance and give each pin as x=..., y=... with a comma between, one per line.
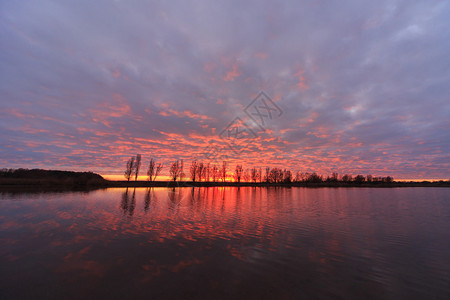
x=227, y=242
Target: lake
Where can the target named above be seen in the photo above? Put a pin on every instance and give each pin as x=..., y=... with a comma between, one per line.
x=226, y=242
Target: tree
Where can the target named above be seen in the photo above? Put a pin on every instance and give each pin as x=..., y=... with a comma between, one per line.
x=176, y=169
x=246, y=175
x=153, y=170
x=275, y=175
x=158, y=170
x=204, y=171
x=181, y=175
x=314, y=177
x=260, y=175
x=129, y=168
x=223, y=171
x=200, y=171
x=214, y=173
x=238, y=173
x=369, y=178
x=334, y=177
x=137, y=166
x=359, y=179
x=254, y=174
x=267, y=176
x=347, y=178
x=287, y=178
x=193, y=170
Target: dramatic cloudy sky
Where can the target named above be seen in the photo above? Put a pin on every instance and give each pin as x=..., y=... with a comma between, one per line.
x=363, y=86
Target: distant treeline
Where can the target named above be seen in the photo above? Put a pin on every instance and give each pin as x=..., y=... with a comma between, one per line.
x=39, y=176
x=207, y=172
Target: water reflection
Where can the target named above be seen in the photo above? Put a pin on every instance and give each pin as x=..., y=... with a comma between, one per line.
x=128, y=202
x=226, y=243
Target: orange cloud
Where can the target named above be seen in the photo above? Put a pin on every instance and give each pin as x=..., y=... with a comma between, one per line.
x=183, y=114
x=232, y=74
x=301, y=83
x=261, y=55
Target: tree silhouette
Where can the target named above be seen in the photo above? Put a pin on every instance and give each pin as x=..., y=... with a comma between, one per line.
x=181, y=175
x=260, y=174
x=175, y=170
x=158, y=170
x=334, y=177
x=200, y=171
x=246, y=175
x=238, y=173
x=193, y=170
x=359, y=179
x=214, y=173
x=129, y=168
x=275, y=175
x=153, y=170
x=137, y=166
x=267, y=176
x=223, y=171
x=287, y=176
x=347, y=178
x=254, y=174
x=314, y=177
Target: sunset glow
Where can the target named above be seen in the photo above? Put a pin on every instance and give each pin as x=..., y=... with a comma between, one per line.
x=361, y=89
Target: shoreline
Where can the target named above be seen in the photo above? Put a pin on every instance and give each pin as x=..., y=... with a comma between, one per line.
x=99, y=184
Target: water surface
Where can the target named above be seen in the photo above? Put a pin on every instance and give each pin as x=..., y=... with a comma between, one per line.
x=257, y=243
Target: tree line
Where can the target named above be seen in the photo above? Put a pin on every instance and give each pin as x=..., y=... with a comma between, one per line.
x=134, y=165
x=207, y=172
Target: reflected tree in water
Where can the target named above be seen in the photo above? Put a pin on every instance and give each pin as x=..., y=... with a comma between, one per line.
x=128, y=204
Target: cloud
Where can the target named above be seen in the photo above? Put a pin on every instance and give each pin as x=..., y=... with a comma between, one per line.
x=363, y=86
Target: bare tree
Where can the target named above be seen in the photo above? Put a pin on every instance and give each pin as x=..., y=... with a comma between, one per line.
x=267, y=176
x=214, y=173
x=359, y=179
x=260, y=175
x=153, y=170
x=181, y=175
x=238, y=173
x=176, y=170
x=287, y=176
x=137, y=166
x=193, y=170
x=200, y=171
x=158, y=170
x=129, y=169
x=223, y=171
x=347, y=178
x=275, y=175
x=208, y=169
x=334, y=177
x=254, y=174
x=388, y=179
x=314, y=177
x=246, y=175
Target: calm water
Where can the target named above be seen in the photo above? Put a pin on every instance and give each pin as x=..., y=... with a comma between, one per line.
x=249, y=243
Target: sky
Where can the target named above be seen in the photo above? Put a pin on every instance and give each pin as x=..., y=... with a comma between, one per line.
x=360, y=87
